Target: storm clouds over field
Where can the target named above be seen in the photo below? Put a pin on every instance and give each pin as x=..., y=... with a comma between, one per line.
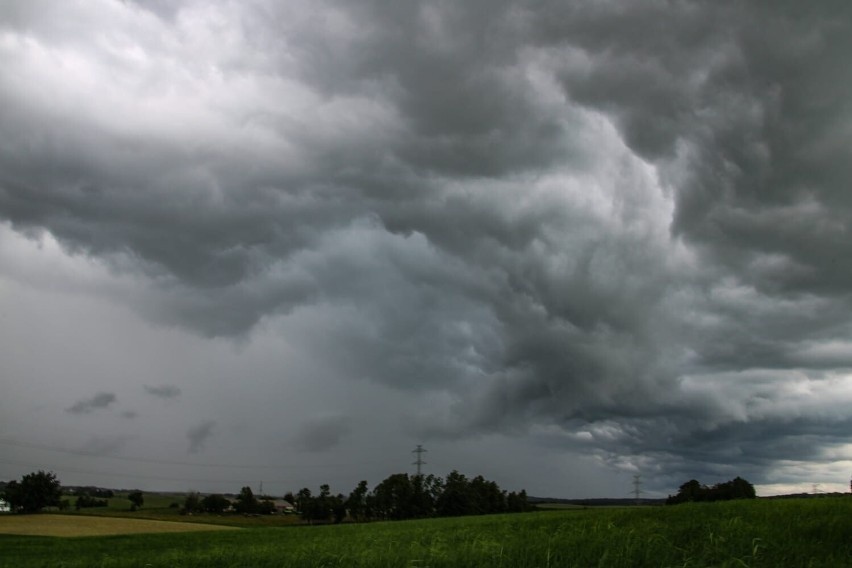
x=556, y=243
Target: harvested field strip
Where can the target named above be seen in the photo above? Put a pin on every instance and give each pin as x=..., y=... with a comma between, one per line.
x=72, y=526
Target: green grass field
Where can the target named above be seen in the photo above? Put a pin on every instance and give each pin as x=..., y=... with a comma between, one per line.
x=807, y=532
x=157, y=507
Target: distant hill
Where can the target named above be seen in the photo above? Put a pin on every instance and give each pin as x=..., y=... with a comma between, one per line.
x=804, y=496
x=597, y=502
x=625, y=502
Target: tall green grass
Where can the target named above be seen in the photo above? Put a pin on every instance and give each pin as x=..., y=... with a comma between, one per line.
x=814, y=533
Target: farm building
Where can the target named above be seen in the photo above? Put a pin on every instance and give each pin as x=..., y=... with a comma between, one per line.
x=282, y=506
x=4, y=507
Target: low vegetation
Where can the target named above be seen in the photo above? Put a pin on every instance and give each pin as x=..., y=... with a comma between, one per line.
x=751, y=533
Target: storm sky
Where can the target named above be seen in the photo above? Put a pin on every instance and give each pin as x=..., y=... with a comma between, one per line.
x=556, y=243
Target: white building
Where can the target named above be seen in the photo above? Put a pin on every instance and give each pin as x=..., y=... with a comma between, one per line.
x=4, y=507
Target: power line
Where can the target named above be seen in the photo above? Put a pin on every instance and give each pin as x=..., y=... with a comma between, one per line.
x=175, y=462
x=190, y=480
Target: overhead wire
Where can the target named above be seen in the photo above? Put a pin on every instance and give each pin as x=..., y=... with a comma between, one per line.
x=85, y=453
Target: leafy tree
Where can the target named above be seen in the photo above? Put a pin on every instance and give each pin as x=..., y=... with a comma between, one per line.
x=517, y=502
x=192, y=503
x=737, y=488
x=338, y=508
x=455, y=500
x=357, y=501
x=394, y=498
x=303, y=499
x=423, y=494
x=322, y=507
x=215, y=503
x=485, y=497
x=34, y=492
x=692, y=490
x=246, y=501
x=265, y=506
x=290, y=498
x=136, y=498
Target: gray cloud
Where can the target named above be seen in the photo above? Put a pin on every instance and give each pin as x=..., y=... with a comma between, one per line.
x=163, y=391
x=100, y=400
x=322, y=434
x=621, y=223
x=199, y=434
x=105, y=445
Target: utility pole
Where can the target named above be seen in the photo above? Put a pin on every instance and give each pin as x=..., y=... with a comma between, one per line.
x=419, y=462
x=637, y=487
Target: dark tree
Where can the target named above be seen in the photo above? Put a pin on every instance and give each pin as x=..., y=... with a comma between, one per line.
x=394, y=498
x=314, y=508
x=486, y=497
x=517, y=502
x=357, y=502
x=215, y=503
x=34, y=492
x=737, y=488
x=246, y=501
x=192, y=503
x=338, y=508
x=84, y=501
x=136, y=498
x=689, y=491
x=323, y=504
x=424, y=491
x=455, y=500
x=265, y=506
x=304, y=500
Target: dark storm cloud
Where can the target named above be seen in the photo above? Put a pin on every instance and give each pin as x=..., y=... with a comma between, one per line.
x=163, y=391
x=321, y=434
x=100, y=400
x=199, y=434
x=745, y=108
x=579, y=215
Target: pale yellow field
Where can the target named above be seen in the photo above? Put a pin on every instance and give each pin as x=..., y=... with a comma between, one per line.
x=67, y=525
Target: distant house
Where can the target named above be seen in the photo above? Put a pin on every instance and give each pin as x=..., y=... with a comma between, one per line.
x=282, y=506
x=4, y=506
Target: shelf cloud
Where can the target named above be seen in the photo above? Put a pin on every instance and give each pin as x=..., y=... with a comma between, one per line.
x=614, y=230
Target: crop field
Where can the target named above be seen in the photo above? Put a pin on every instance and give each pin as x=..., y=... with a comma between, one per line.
x=74, y=525
x=761, y=533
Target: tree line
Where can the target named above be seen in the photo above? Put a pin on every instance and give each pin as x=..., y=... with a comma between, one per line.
x=400, y=496
x=41, y=489
x=692, y=490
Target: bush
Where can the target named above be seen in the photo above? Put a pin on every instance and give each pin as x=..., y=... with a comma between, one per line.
x=85, y=501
